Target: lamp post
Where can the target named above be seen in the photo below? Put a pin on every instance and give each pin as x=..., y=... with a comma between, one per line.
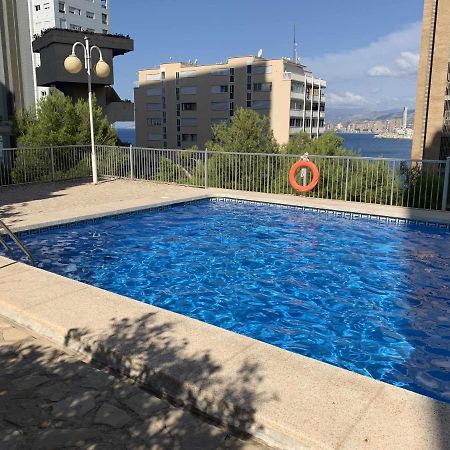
x=73, y=65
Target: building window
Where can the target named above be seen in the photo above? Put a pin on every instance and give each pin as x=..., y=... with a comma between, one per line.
x=297, y=87
x=219, y=89
x=231, y=92
x=188, y=90
x=153, y=106
x=154, y=122
x=219, y=72
x=188, y=74
x=62, y=7
x=249, y=69
x=231, y=108
x=297, y=105
x=105, y=31
x=46, y=5
x=219, y=106
x=104, y=19
x=218, y=120
x=189, y=137
x=262, y=87
x=75, y=27
x=232, y=75
x=37, y=7
x=153, y=76
x=90, y=15
x=262, y=69
x=63, y=23
x=188, y=122
x=73, y=10
x=296, y=122
x=104, y=3
x=154, y=136
x=153, y=91
x=189, y=106
x=261, y=104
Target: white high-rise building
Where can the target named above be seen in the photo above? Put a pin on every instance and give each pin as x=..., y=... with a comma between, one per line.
x=80, y=15
x=405, y=118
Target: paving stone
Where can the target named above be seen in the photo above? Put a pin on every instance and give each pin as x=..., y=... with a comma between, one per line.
x=54, y=391
x=29, y=381
x=96, y=379
x=110, y=415
x=62, y=438
x=11, y=439
x=153, y=433
x=22, y=417
x=123, y=390
x=145, y=405
x=76, y=405
x=148, y=427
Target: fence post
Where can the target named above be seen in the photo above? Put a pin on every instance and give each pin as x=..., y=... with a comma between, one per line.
x=206, y=168
x=392, y=183
x=52, y=157
x=446, y=185
x=346, y=179
x=131, y=162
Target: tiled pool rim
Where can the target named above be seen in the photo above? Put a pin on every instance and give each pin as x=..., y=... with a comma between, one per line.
x=22, y=231
x=275, y=431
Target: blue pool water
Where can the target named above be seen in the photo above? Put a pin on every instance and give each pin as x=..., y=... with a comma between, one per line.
x=367, y=296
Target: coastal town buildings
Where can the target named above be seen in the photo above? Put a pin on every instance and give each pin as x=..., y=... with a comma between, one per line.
x=432, y=123
x=177, y=103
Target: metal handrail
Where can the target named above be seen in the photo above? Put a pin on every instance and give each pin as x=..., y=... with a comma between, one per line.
x=17, y=241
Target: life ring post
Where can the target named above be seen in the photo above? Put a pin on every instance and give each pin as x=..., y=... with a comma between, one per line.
x=315, y=175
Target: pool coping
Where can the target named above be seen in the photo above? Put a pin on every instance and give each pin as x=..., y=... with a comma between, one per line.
x=294, y=401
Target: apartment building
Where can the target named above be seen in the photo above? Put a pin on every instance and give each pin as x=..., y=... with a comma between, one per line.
x=177, y=103
x=432, y=120
x=78, y=15
x=16, y=78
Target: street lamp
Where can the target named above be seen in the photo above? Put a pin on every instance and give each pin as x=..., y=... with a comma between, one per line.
x=73, y=65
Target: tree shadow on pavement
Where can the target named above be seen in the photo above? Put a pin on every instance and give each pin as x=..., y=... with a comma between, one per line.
x=51, y=400
x=149, y=352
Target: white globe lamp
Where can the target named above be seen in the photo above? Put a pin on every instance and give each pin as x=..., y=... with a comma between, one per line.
x=73, y=64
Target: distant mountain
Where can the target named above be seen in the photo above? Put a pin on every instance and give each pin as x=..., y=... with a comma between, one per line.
x=359, y=115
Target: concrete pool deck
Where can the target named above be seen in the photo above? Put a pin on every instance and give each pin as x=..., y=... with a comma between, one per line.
x=284, y=399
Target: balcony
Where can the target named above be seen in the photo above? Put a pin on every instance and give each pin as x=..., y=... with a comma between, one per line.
x=296, y=112
x=287, y=76
x=298, y=95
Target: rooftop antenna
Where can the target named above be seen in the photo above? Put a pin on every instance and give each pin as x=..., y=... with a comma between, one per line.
x=295, y=57
x=260, y=53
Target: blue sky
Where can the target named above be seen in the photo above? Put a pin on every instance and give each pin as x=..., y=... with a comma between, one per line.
x=367, y=50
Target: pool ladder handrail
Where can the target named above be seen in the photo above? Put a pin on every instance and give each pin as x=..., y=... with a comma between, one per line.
x=17, y=241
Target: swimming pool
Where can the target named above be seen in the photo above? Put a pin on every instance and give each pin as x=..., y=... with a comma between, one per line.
x=369, y=296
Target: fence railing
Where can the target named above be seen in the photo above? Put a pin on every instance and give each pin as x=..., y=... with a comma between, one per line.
x=383, y=181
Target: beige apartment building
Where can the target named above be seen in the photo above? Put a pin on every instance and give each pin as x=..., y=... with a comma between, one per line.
x=432, y=121
x=177, y=103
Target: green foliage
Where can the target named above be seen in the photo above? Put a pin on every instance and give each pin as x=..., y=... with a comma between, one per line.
x=328, y=144
x=57, y=121
x=248, y=132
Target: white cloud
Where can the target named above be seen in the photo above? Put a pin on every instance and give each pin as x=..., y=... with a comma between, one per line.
x=406, y=64
x=392, y=61
x=347, y=99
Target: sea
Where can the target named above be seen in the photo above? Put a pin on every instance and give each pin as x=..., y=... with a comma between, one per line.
x=364, y=143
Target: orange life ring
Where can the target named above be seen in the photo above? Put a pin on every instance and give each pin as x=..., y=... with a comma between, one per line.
x=315, y=172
